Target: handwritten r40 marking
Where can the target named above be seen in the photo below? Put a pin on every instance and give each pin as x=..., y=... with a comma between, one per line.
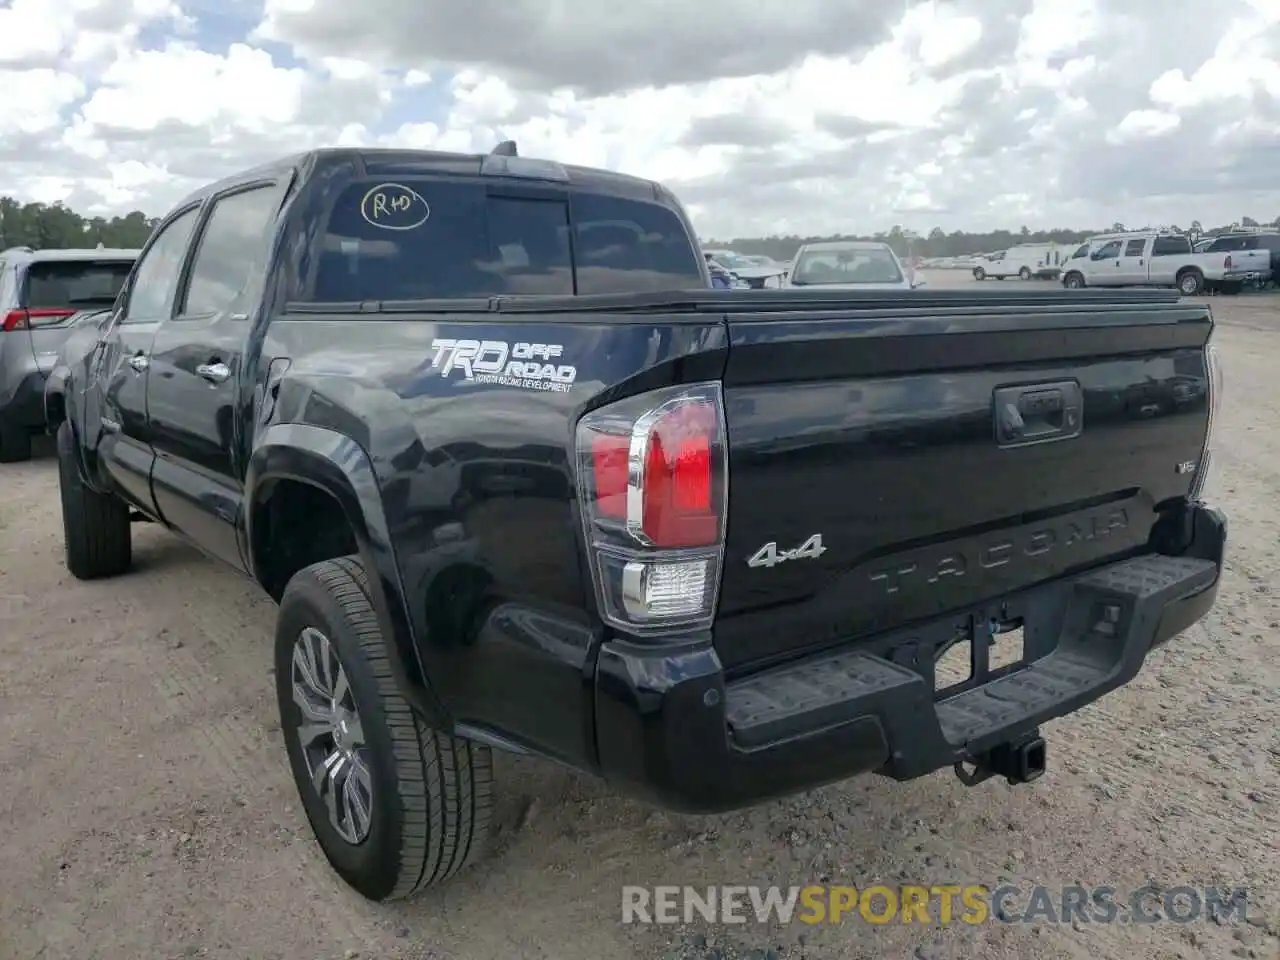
x=393, y=206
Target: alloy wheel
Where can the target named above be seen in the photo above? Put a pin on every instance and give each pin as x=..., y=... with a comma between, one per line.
x=331, y=735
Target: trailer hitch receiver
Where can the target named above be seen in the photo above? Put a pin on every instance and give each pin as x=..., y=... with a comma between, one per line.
x=1018, y=761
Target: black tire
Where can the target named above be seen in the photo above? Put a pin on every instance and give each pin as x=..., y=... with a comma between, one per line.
x=15, y=444
x=97, y=539
x=979, y=273
x=1073, y=281
x=1190, y=283
x=432, y=793
x=1025, y=273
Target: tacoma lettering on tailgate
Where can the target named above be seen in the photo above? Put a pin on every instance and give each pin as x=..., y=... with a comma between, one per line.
x=1035, y=541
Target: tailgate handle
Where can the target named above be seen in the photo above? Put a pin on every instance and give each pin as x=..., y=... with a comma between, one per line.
x=1038, y=413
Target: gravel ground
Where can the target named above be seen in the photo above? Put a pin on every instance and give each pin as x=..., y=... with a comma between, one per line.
x=148, y=812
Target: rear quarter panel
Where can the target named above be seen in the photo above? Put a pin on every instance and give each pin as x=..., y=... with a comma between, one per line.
x=477, y=483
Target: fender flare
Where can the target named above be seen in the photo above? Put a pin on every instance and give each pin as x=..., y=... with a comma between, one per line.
x=337, y=465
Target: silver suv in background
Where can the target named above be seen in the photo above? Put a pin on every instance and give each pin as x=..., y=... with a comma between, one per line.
x=44, y=296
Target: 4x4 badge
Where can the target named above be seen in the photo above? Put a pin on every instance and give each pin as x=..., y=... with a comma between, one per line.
x=770, y=556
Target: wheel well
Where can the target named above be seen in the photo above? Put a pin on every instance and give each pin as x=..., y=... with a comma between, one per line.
x=295, y=525
x=1188, y=269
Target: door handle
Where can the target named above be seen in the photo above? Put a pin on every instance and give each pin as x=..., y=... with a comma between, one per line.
x=1038, y=413
x=216, y=372
x=140, y=362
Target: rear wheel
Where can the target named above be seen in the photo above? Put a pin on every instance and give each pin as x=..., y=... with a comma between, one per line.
x=97, y=540
x=1025, y=273
x=15, y=444
x=395, y=805
x=1190, y=282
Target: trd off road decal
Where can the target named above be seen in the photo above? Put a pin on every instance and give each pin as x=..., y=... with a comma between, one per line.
x=529, y=366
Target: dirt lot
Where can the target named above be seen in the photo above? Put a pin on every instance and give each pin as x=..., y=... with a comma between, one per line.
x=148, y=812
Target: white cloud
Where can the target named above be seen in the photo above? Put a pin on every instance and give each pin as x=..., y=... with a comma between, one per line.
x=33, y=100
x=806, y=116
x=240, y=93
x=1144, y=123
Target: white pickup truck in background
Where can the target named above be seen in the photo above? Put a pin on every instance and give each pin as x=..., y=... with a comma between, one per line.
x=1161, y=259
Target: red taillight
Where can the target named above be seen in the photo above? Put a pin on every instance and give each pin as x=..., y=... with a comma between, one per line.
x=655, y=522
x=609, y=456
x=21, y=319
x=1227, y=263
x=678, y=478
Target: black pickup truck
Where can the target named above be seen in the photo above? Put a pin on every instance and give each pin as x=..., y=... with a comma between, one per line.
x=520, y=480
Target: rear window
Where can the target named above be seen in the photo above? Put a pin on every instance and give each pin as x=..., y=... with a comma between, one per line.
x=449, y=239
x=846, y=265
x=74, y=284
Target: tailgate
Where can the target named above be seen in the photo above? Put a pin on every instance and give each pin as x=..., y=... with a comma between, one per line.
x=945, y=455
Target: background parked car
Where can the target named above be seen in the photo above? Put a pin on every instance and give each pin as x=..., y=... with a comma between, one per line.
x=749, y=270
x=42, y=292
x=849, y=265
x=722, y=277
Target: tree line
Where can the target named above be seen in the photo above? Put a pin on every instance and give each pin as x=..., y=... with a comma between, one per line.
x=959, y=243
x=44, y=226
x=53, y=225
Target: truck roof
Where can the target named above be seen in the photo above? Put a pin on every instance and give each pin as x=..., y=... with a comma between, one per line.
x=397, y=162
x=70, y=253
x=846, y=245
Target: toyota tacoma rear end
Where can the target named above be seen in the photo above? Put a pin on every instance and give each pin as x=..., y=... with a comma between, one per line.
x=788, y=551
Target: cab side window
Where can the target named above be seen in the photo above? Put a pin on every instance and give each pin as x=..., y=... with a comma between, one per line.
x=1134, y=248
x=1108, y=251
x=155, y=277
x=232, y=245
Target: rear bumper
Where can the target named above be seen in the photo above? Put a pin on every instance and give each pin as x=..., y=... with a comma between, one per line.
x=670, y=729
x=1241, y=276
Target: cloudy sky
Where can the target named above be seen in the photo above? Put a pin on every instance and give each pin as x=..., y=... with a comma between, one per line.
x=804, y=116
